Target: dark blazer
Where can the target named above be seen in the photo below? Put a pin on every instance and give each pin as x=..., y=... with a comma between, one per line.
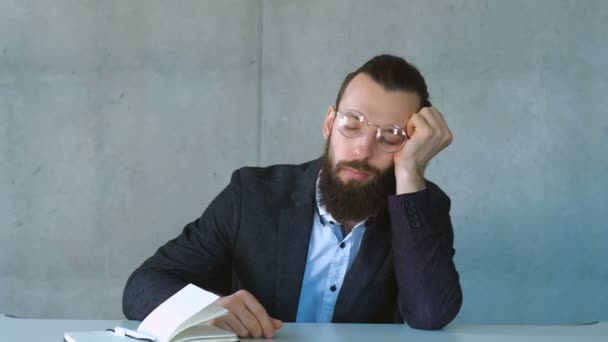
x=255, y=236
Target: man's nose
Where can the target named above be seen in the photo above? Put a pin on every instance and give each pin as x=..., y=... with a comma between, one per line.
x=365, y=144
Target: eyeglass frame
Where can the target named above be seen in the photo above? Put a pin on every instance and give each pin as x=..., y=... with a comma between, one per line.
x=378, y=129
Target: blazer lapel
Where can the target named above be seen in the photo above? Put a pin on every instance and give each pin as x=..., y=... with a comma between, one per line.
x=294, y=228
x=371, y=256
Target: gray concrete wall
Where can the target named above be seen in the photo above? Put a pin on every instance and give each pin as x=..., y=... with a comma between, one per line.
x=121, y=120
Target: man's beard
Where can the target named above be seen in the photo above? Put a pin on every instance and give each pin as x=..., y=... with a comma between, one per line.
x=354, y=200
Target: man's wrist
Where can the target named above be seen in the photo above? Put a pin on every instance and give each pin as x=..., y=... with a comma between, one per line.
x=409, y=181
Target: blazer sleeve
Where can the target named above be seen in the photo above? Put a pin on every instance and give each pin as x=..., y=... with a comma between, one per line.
x=201, y=254
x=430, y=295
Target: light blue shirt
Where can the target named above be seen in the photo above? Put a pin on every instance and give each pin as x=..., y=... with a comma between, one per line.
x=330, y=255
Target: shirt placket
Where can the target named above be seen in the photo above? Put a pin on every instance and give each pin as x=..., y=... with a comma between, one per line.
x=335, y=278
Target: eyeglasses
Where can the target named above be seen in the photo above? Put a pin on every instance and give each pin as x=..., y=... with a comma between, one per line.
x=352, y=124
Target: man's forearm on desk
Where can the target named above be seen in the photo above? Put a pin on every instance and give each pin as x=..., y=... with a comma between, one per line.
x=176, y=264
x=430, y=295
x=147, y=289
x=199, y=255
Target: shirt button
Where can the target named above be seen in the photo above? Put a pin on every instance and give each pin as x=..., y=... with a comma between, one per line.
x=333, y=288
x=342, y=245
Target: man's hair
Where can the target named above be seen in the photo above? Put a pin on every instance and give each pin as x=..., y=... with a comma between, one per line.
x=392, y=73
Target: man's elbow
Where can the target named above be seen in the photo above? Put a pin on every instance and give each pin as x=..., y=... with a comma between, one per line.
x=129, y=306
x=435, y=318
x=128, y=309
x=134, y=299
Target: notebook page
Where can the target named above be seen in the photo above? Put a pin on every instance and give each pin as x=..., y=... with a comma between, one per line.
x=163, y=322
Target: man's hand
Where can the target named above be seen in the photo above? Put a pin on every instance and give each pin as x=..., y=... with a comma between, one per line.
x=428, y=134
x=247, y=317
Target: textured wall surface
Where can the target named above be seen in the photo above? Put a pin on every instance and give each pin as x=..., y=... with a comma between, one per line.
x=120, y=121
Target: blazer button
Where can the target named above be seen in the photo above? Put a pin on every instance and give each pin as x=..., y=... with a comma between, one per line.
x=342, y=245
x=333, y=288
x=415, y=223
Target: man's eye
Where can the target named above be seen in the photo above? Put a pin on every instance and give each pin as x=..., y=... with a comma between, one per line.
x=391, y=139
x=350, y=123
x=351, y=126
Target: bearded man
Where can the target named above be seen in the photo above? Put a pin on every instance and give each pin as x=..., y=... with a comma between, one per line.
x=357, y=236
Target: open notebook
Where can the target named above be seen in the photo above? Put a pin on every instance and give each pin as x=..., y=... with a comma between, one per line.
x=178, y=319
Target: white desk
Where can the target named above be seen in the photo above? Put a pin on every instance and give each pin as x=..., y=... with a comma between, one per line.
x=43, y=330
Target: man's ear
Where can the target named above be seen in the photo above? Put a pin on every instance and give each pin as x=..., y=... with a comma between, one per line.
x=329, y=121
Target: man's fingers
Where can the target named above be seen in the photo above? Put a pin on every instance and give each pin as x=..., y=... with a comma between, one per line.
x=249, y=321
x=448, y=130
x=430, y=115
x=260, y=314
x=438, y=128
x=235, y=325
x=247, y=316
x=443, y=132
x=416, y=123
x=223, y=325
x=276, y=323
x=441, y=116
